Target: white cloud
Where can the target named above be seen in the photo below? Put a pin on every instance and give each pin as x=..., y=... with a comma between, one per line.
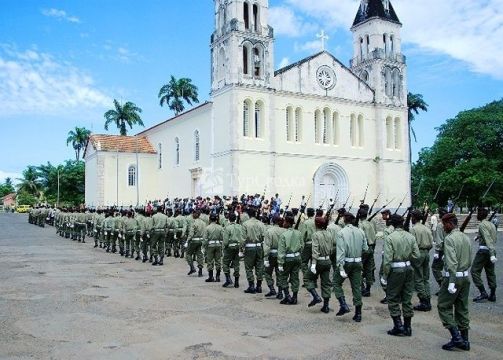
x=284, y=62
x=285, y=22
x=60, y=14
x=309, y=46
x=466, y=30
x=34, y=82
x=6, y=174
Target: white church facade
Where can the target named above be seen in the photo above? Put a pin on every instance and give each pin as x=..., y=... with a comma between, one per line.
x=313, y=128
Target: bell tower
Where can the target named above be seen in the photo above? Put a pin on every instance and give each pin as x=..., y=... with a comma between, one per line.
x=242, y=50
x=377, y=56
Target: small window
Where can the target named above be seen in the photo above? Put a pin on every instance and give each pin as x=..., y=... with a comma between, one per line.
x=361, y=48
x=132, y=176
x=385, y=42
x=256, y=20
x=326, y=126
x=289, y=125
x=398, y=134
x=196, y=145
x=361, y=125
x=298, y=125
x=257, y=62
x=352, y=130
x=258, y=119
x=160, y=155
x=392, y=44
x=246, y=15
x=246, y=118
x=317, y=126
x=368, y=44
x=389, y=133
x=335, y=128
x=246, y=60
x=177, y=151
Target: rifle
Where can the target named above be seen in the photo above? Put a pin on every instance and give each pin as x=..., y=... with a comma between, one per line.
x=400, y=205
x=322, y=203
x=351, y=206
x=300, y=216
x=381, y=209
x=457, y=198
x=287, y=206
x=339, y=214
x=472, y=210
x=406, y=225
x=365, y=195
x=303, y=207
x=427, y=212
x=493, y=215
x=373, y=204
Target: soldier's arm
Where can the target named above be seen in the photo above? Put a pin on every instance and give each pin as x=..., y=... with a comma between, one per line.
x=341, y=252
x=267, y=242
x=415, y=250
x=388, y=257
x=281, y=250
x=365, y=246
x=485, y=233
x=315, y=247
x=225, y=236
x=451, y=261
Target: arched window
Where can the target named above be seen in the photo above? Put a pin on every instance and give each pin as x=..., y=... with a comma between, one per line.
x=361, y=125
x=389, y=133
x=368, y=44
x=289, y=124
x=364, y=76
x=326, y=126
x=317, y=126
x=298, y=125
x=246, y=60
x=160, y=155
x=361, y=48
x=257, y=61
x=246, y=15
x=396, y=83
x=388, y=82
x=335, y=128
x=131, y=175
x=352, y=130
x=246, y=117
x=196, y=145
x=259, y=119
x=398, y=134
x=385, y=41
x=177, y=151
x=221, y=65
x=391, y=44
x=256, y=18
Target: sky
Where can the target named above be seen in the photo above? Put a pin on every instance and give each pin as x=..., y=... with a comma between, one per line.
x=63, y=62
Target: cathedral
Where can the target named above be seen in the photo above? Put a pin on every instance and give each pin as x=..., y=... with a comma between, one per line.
x=318, y=127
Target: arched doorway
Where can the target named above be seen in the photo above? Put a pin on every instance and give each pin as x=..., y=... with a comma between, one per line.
x=330, y=179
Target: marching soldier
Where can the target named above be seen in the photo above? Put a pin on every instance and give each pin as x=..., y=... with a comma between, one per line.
x=368, y=261
x=351, y=243
x=147, y=239
x=307, y=230
x=400, y=249
x=485, y=259
x=170, y=235
x=160, y=222
x=130, y=227
x=194, y=243
x=271, y=240
x=388, y=229
x=213, y=236
x=233, y=240
x=421, y=265
x=140, y=232
x=108, y=229
x=438, y=257
x=253, y=254
x=453, y=295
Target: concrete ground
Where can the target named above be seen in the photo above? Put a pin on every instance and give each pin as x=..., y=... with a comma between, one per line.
x=60, y=299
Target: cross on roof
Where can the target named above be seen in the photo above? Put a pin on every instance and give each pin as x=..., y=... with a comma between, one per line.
x=323, y=37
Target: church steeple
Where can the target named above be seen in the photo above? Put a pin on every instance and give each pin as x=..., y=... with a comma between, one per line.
x=375, y=9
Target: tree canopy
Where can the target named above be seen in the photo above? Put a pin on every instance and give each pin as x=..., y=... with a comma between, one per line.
x=123, y=116
x=7, y=187
x=467, y=153
x=78, y=138
x=176, y=92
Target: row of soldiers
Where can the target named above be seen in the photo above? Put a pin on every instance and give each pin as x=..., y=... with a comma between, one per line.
x=315, y=245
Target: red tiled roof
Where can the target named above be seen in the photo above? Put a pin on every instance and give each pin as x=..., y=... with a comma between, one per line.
x=126, y=144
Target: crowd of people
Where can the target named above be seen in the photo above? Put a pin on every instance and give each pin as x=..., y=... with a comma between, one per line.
x=290, y=247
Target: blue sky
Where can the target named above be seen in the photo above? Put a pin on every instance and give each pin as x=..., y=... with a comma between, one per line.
x=62, y=62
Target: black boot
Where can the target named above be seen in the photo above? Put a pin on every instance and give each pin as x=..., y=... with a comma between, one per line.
x=251, y=288
x=325, y=307
x=108, y=248
x=272, y=291
x=210, y=277
x=492, y=297
x=95, y=245
x=217, y=278
x=200, y=273
x=228, y=281
x=316, y=298
x=466, y=340
x=192, y=270
x=121, y=252
x=424, y=305
x=398, y=329
x=156, y=261
x=293, y=299
x=114, y=249
x=366, y=291
x=384, y=300
x=483, y=295
x=358, y=313
x=456, y=340
x=236, y=282
x=176, y=253
x=407, y=326
x=286, y=298
x=258, y=289
x=168, y=253
x=183, y=254
x=280, y=294
x=127, y=254
x=161, y=261
x=150, y=259
x=344, y=308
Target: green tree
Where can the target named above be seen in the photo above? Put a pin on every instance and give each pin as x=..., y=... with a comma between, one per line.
x=123, y=116
x=78, y=138
x=467, y=152
x=30, y=183
x=7, y=187
x=175, y=92
x=71, y=179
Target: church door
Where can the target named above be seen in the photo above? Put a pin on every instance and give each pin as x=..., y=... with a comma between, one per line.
x=330, y=180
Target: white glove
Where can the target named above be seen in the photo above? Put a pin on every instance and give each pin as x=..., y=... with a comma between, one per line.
x=186, y=245
x=148, y=236
x=384, y=282
x=95, y=230
x=452, y=288
x=436, y=256
x=240, y=254
x=266, y=263
x=493, y=259
x=343, y=274
x=313, y=268
x=106, y=233
x=280, y=268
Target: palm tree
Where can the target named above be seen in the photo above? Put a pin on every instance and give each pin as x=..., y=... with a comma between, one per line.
x=176, y=92
x=29, y=183
x=415, y=102
x=78, y=138
x=123, y=115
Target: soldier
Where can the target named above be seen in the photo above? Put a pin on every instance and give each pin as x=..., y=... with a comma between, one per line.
x=453, y=295
x=213, y=236
x=98, y=228
x=130, y=227
x=253, y=254
x=170, y=235
x=368, y=261
x=421, y=265
x=324, y=245
x=194, y=243
x=271, y=239
x=233, y=241
x=181, y=231
x=388, y=229
x=290, y=246
x=400, y=248
x=147, y=239
x=485, y=257
x=108, y=229
x=140, y=232
x=117, y=238
x=307, y=230
x=438, y=239
x=351, y=243
x=160, y=222
x=81, y=225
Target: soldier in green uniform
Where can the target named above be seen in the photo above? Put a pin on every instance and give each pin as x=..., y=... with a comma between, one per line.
x=140, y=233
x=388, y=229
x=400, y=249
x=438, y=257
x=324, y=249
x=181, y=234
x=130, y=227
x=485, y=259
x=194, y=243
x=160, y=223
x=170, y=235
x=233, y=241
x=108, y=229
x=421, y=265
x=368, y=261
x=213, y=236
x=453, y=295
x=81, y=225
x=147, y=239
x=307, y=229
x=351, y=243
x=290, y=246
x=253, y=254
x=271, y=239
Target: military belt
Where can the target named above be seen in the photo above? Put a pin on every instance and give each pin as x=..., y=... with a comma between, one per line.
x=233, y=245
x=400, y=264
x=158, y=230
x=292, y=255
x=308, y=243
x=253, y=245
x=323, y=257
x=482, y=247
x=273, y=251
x=459, y=274
x=425, y=249
x=213, y=242
x=353, y=260
x=197, y=239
